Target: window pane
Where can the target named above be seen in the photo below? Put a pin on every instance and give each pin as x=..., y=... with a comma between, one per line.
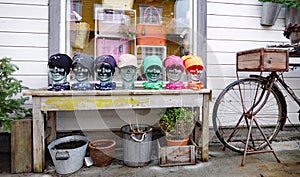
x=142, y=28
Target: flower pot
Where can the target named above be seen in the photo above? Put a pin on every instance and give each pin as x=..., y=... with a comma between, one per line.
x=102, y=152
x=269, y=13
x=171, y=142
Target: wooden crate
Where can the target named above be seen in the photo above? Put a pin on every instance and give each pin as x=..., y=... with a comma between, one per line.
x=176, y=155
x=262, y=59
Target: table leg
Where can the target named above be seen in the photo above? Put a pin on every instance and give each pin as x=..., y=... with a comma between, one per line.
x=205, y=127
x=51, y=125
x=38, y=136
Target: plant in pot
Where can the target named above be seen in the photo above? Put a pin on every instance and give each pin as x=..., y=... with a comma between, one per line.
x=12, y=105
x=177, y=124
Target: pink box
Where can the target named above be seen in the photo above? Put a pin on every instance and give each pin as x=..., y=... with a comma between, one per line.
x=114, y=47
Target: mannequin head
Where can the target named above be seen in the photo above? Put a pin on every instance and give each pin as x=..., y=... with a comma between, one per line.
x=193, y=64
x=127, y=69
x=152, y=68
x=174, y=72
x=82, y=67
x=105, y=68
x=59, y=67
x=81, y=73
x=174, y=68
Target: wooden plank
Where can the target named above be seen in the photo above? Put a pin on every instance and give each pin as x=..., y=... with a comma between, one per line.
x=253, y=2
x=23, y=11
x=25, y=53
x=216, y=21
x=124, y=102
x=35, y=81
x=21, y=146
x=38, y=136
x=176, y=155
x=31, y=2
x=233, y=9
x=25, y=68
x=245, y=34
x=236, y=9
x=205, y=127
x=24, y=25
x=24, y=39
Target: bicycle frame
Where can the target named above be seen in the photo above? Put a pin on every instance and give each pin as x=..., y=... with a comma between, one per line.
x=272, y=78
x=286, y=87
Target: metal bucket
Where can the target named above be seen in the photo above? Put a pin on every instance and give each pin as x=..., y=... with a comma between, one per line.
x=269, y=13
x=68, y=160
x=292, y=15
x=137, y=145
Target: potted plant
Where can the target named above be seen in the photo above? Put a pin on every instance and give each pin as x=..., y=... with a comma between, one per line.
x=177, y=124
x=12, y=106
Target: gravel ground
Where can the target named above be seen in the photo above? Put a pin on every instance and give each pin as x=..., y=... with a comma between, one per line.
x=221, y=164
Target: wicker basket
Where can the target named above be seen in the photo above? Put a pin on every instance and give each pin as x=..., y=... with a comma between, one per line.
x=102, y=152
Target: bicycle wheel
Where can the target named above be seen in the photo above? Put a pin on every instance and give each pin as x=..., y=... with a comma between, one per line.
x=231, y=114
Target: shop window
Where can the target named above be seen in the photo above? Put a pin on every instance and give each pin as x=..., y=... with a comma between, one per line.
x=138, y=27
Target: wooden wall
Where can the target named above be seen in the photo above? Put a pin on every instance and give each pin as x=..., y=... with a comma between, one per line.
x=24, y=38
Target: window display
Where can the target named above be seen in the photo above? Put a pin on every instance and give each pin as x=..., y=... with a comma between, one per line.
x=102, y=28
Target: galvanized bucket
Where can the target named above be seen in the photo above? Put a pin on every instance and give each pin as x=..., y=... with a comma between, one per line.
x=137, y=145
x=292, y=15
x=269, y=13
x=68, y=160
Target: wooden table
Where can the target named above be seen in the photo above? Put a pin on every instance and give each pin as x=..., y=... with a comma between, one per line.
x=49, y=102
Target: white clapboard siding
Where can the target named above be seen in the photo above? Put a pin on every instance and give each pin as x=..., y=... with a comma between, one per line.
x=14, y=25
x=34, y=82
x=235, y=46
x=24, y=39
x=27, y=2
x=25, y=69
x=24, y=53
x=24, y=11
x=219, y=21
x=234, y=34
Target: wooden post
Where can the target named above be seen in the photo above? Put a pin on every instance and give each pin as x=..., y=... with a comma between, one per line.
x=38, y=139
x=21, y=146
x=205, y=126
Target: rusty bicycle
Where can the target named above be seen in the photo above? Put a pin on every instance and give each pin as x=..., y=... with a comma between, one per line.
x=249, y=112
